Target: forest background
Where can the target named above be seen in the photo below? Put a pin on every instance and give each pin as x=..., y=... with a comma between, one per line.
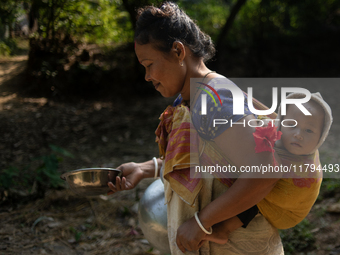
x=72, y=95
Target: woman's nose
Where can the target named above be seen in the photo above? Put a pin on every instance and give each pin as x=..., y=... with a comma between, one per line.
x=147, y=76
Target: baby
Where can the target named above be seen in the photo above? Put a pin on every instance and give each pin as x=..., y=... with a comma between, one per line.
x=310, y=131
x=293, y=196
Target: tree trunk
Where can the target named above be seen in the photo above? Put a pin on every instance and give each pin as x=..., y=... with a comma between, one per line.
x=226, y=28
x=33, y=14
x=10, y=30
x=130, y=8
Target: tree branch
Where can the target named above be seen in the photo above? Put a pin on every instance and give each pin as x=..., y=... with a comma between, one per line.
x=227, y=26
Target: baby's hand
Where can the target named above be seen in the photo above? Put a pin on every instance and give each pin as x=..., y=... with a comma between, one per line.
x=219, y=235
x=222, y=230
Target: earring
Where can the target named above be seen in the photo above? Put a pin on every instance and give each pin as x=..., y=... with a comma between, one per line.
x=181, y=64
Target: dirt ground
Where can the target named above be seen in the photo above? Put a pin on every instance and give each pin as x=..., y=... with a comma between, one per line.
x=102, y=134
x=98, y=134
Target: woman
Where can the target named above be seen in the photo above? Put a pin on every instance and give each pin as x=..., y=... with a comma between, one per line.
x=173, y=50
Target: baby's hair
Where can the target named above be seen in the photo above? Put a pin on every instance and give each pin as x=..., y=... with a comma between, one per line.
x=165, y=25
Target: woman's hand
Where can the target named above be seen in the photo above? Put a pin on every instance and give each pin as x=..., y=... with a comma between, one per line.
x=132, y=174
x=190, y=236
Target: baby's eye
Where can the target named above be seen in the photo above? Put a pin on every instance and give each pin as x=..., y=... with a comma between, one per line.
x=309, y=131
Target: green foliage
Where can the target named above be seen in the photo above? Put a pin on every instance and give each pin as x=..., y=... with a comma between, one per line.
x=8, y=47
x=7, y=178
x=266, y=39
x=320, y=212
x=60, y=151
x=210, y=15
x=45, y=175
x=266, y=19
x=77, y=234
x=102, y=21
x=9, y=11
x=268, y=36
x=330, y=185
x=4, y=49
x=298, y=238
x=60, y=62
x=125, y=211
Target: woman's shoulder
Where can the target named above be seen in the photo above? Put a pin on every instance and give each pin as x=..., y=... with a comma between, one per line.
x=220, y=87
x=217, y=93
x=218, y=81
x=215, y=101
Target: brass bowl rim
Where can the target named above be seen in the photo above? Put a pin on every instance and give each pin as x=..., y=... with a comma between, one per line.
x=82, y=170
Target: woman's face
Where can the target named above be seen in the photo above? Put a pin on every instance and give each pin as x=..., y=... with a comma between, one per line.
x=162, y=69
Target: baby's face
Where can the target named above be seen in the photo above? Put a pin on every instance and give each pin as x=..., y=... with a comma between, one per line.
x=303, y=138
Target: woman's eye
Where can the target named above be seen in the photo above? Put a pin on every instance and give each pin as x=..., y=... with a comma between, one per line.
x=309, y=131
x=148, y=65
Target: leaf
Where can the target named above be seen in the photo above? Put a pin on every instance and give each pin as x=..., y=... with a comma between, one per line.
x=6, y=177
x=60, y=150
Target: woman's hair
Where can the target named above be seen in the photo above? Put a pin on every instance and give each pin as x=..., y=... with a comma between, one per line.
x=165, y=25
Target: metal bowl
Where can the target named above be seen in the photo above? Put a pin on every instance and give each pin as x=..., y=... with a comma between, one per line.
x=152, y=215
x=90, y=181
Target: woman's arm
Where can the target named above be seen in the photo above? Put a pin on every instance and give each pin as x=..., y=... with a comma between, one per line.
x=238, y=143
x=133, y=173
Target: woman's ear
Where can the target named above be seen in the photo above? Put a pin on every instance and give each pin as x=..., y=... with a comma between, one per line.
x=179, y=50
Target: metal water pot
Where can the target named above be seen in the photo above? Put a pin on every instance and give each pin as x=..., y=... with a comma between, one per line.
x=152, y=214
